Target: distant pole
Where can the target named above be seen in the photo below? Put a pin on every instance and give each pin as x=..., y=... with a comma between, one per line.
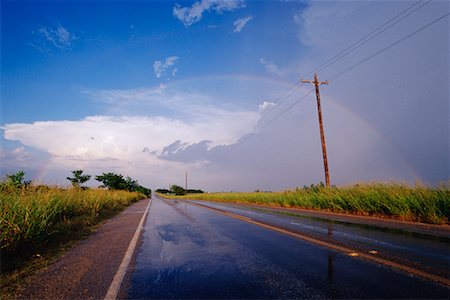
x=186, y=182
x=316, y=83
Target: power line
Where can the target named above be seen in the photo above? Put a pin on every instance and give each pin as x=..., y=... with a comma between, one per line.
x=355, y=45
x=388, y=47
x=337, y=57
x=365, y=39
x=234, y=146
x=285, y=110
x=367, y=59
x=280, y=99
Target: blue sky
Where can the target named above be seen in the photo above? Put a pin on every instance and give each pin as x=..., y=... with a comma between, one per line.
x=150, y=89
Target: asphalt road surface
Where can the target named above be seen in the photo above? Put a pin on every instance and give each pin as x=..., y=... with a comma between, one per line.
x=189, y=251
x=414, y=245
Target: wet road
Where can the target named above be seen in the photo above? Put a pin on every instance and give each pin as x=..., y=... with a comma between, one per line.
x=424, y=251
x=189, y=251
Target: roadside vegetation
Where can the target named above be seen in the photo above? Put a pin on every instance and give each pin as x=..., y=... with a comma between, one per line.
x=397, y=201
x=38, y=220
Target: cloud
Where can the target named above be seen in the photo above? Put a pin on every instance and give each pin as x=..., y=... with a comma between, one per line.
x=288, y=153
x=125, y=96
x=270, y=67
x=191, y=105
x=122, y=138
x=266, y=105
x=193, y=14
x=157, y=150
x=160, y=68
x=240, y=23
x=389, y=90
x=21, y=158
x=192, y=153
x=19, y=155
x=53, y=37
x=138, y=146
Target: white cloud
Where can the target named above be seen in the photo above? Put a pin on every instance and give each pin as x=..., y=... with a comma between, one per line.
x=240, y=23
x=157, y=150
x=54, y=37
x=170, y=61
x=266, y=105
x=125, y=96
x=130, y=144
x=160, y=68
x=19, y=155
x=193, y=14
x=270, y=67
x=122, y=138
x=288, y=153
x=193, y=105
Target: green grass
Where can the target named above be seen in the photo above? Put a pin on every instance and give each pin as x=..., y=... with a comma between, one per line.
x=397, y=201
x=38, y=219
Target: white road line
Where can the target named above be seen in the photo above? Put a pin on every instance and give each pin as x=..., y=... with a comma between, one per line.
x=121, y=271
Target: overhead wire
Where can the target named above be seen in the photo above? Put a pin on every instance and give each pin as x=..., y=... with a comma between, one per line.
x=368, y=37
x=234, y=146
x=285, y=110
x=369, y=58
x=363, y=40
x=373, y=55
x=355, y=45
x=280, y=99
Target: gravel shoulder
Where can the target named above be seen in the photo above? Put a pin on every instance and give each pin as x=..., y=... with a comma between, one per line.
x=87, y=270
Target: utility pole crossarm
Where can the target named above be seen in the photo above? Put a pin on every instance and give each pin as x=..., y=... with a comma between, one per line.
x=315, y=81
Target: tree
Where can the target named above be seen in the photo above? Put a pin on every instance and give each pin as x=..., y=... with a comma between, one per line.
x=194, y=191
x=132, y=185
x=162, y=191
x=17, y=179
x=177, y=190
x=112, y=181
x=78, y=179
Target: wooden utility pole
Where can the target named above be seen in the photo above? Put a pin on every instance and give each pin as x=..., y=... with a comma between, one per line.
x=186, y=186
x=316, y=83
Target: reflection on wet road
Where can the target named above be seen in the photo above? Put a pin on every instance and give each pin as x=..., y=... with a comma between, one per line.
x=192, y=252
x=430, y=251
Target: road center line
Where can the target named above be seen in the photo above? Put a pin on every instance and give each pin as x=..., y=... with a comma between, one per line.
x=322, y=243
x=121, y=271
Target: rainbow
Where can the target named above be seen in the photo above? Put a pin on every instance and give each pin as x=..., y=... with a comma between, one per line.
x=240, y=81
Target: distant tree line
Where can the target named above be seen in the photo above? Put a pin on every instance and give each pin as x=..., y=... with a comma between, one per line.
x=114, y=181
x=178, y=190
x=110, y=181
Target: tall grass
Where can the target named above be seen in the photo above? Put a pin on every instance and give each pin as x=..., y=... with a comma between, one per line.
x=419, y=203
x=31, y=216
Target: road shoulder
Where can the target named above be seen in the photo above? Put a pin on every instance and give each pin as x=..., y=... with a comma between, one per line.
x=87, y=270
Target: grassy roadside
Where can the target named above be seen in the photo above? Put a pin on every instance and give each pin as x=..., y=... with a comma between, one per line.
x=37, y=223
x=396, y=201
